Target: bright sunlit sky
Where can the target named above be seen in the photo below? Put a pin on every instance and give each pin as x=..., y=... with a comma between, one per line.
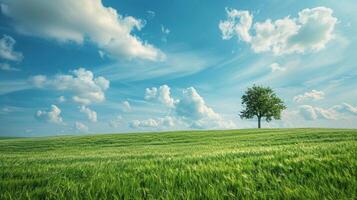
x=105, y=66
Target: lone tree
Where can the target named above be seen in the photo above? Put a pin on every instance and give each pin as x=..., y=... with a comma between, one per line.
x=261, y=102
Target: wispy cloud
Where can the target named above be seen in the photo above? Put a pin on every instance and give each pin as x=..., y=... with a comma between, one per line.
x=9, y=86
x=7, y=51
x=179, y=63
x=7, y=67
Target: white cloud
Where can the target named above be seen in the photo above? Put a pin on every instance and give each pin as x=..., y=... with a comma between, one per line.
x=101, y=54
x=161, y=94
x=181, y=63
x=38, y=80
x=80, y=127
x=7, y=67
x=77, y=21
x=316, y=29
x=333, y=113
x=165, y=122
x=313, y=95
x=165, y=30
x=91, y=114
x=115, y=123
x=193, y=109
x=308, y=112
x=126, y=107
x=168, y=121
x=148, y=123
x=312, y=113
x=150, y=93
x=9, y=86
x=192, y=106
x=232, y=26
x=52, y=116
x=190, y=110
x=275, y=67
x=150, y=14
x=345, y=108
x=61, y=99
x=274, y=36
x=7, y=49
x=10, y=109
x=310, y=31
x=86, y=89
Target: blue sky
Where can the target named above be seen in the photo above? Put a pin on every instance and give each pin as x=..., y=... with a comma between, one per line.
x=103, y=66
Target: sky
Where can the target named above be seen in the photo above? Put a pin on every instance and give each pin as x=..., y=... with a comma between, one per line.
x=107, y=66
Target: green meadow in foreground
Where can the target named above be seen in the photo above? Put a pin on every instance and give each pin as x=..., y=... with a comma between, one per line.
x=235, y=164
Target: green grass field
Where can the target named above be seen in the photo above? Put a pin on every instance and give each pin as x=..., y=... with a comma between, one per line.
x=239, y=164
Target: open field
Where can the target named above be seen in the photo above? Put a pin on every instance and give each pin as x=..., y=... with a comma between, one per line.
x=239, y=164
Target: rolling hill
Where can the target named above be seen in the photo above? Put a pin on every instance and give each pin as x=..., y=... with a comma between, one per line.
x=232, y=164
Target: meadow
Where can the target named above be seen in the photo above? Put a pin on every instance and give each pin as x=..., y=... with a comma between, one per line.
x=232, y=164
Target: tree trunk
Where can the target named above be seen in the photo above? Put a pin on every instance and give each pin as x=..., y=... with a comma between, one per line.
x=259, y=122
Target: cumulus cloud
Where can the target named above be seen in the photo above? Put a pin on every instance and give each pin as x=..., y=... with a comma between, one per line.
x=7, y=49
x=238, y=23
x=312, y=113
x=86, y=89
x=316, y=29
x=310, y=31
x=168, y=121
x=193, y=109
x=161, y=94
x=313, y=95
x=116, y=122
x=274, y=36
x=190, y=109
x=7, y=67
x=308, y=112
x=150, y=93
x=335, y=112
x=164, y=122
x=53, y=115
x=79, y=126
x=91, y=114
x=80, y=20
x=275, y=67
x=192, y=106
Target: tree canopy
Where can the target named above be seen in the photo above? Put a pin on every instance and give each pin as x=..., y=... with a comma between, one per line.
x=261, y=102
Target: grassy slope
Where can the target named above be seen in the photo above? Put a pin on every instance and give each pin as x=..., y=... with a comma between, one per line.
x=251, y=164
